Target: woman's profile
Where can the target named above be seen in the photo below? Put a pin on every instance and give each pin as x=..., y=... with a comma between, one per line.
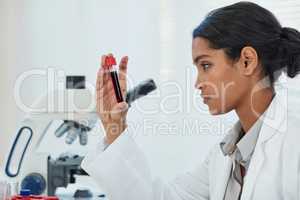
x=239, y=51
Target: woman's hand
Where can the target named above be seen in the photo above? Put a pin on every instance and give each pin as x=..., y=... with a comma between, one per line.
x=112, y=114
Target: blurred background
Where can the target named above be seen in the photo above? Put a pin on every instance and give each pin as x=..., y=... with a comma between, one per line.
x=172, y=125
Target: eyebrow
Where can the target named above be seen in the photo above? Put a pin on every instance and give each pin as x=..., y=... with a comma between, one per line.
x=200, y=57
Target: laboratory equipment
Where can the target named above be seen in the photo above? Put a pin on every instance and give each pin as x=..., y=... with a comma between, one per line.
x=78, y=115
x=5, y=190
x=62, y=171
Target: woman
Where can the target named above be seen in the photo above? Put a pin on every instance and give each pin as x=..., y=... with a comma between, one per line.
x=239, y=51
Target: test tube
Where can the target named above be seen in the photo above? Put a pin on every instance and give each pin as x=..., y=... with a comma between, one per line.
x=109, y=64
x=116, y=84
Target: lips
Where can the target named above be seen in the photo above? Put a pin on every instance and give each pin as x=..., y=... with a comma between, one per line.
x=205, y=98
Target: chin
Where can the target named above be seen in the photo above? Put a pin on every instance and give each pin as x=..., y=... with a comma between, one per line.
x=213, y=109
x=215, y=112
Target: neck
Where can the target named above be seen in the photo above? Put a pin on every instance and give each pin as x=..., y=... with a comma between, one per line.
x=253, y=106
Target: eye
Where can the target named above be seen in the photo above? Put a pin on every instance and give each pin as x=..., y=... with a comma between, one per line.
x=205, y=66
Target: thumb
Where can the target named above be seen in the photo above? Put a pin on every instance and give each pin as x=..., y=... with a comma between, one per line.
x=119, y=111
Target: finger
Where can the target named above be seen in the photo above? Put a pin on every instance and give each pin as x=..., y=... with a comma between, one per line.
x=103, y=57
x=118, y=111
x=107, y=88
x=103, y=72
x=99, y=81
x=123, y=68
x=124, y=108
x=103, y=82
x=106, y=101
x=107, y=98
x=106, y=71
x=120, y=107
x=123, y=75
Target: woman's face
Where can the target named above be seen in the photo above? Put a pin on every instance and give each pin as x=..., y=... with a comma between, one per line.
x=219, y=79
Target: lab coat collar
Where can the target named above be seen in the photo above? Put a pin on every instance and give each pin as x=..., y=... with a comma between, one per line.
x=274, y=122
x=275, y=119
x=222, y=177
x=228, y=144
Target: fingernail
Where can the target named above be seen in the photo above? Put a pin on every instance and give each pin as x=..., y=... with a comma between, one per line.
x=123, y=60
x=124, y=105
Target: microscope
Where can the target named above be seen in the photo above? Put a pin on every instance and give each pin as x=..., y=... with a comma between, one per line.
x=75, y=107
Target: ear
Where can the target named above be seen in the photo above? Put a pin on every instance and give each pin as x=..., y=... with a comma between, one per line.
x=248, y=61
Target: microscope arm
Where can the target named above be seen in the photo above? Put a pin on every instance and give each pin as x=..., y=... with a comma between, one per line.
x=28, y=137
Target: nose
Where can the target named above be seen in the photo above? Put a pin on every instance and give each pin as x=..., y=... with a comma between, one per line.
x=199, y=85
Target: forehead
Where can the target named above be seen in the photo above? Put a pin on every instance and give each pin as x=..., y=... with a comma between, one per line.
x=200, y=46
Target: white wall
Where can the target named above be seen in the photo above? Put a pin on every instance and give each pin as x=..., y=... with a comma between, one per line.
x=10, y=17
x=70, y=35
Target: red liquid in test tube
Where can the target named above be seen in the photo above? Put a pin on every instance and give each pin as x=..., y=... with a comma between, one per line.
x=109, y=64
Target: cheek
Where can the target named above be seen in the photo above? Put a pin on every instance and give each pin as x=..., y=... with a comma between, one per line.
x=225, y=96
x=230, y=97
x=232, y=94
x=223, y=100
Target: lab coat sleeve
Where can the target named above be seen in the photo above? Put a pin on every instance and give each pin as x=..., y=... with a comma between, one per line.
x=122, y=171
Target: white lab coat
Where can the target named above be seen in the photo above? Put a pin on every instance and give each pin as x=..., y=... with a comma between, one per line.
x=122, y=170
